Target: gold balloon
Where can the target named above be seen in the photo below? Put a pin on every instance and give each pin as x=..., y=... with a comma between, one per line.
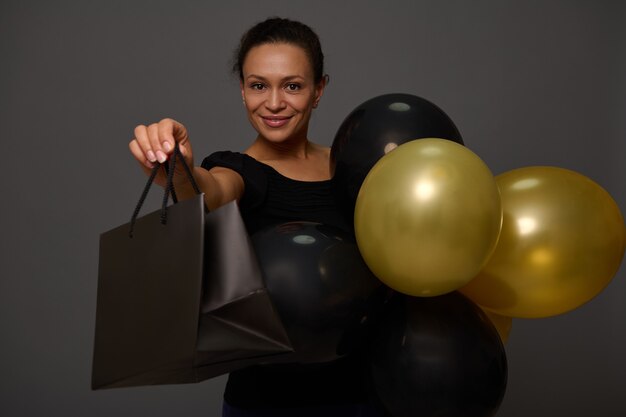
x=503, y=324
x=562, y=241
x=427, y=217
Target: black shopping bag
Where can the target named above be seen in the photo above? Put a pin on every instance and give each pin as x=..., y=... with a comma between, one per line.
x=181, y=297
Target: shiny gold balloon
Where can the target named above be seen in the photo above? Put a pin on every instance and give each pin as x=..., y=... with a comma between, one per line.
x=503, y=324
x=427, y=217
x=562, y=241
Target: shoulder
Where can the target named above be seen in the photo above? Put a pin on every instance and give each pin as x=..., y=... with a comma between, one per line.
x=321, y=150
x=228, y=163
x=239, y=162
x=226, y=159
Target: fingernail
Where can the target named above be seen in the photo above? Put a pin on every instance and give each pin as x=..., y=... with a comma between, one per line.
x=167, y=146
x=161, y=157
x=151, y=156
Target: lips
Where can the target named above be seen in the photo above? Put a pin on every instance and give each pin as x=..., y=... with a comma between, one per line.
x=275, y=121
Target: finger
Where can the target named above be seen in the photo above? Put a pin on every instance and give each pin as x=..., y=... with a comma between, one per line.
x=185, y=151
x=168, y=129
x=137, y=152
x=141, y=136
x=179, y=131
x=155, y=142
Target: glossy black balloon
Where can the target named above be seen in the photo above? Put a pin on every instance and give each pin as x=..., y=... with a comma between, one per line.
x=438, y=356
x=373, y=129
x=320, y=285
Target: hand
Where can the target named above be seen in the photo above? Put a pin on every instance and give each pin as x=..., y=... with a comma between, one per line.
x=155, y=143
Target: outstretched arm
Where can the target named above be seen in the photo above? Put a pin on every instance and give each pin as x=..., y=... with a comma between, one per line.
x=155, y=144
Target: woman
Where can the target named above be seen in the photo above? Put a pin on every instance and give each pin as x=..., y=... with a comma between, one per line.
x=281, y=177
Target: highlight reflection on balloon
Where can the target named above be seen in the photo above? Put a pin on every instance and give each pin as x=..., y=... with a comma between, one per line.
x=375, y=128
x=428, y=217
x=320, y=286
x=561, y=243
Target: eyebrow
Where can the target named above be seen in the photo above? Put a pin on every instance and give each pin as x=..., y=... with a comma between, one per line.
x=287, y=78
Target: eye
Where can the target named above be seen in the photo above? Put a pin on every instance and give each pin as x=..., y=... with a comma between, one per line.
x=257, y=86
x=292, y=86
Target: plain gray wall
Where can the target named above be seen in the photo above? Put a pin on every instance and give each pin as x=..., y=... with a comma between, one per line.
x=527, y=83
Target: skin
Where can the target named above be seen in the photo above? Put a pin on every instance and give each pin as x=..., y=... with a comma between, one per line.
x=279, y=94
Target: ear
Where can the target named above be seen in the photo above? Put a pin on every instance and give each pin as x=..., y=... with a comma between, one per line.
x=319, y=89
x=243, y=96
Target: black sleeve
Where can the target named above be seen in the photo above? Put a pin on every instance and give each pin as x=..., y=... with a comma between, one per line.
x=254, y=177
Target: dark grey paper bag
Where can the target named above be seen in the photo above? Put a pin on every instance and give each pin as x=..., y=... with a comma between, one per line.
x=182, y=301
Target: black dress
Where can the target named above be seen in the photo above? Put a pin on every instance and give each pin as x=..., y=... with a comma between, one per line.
x=271, y=198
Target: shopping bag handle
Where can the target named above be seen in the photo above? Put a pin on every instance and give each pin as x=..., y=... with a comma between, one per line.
x=169, y=186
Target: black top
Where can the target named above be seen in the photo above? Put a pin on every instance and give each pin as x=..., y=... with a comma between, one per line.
x=270, y=198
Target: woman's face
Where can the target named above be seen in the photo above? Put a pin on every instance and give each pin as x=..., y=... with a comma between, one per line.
x=279, y=91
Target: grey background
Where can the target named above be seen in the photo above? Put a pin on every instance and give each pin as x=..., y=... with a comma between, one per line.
x=527, y=83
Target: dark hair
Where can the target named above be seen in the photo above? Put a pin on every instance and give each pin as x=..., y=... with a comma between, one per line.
x=279, y=30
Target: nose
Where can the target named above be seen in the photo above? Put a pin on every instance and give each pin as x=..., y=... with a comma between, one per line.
x=275, y=101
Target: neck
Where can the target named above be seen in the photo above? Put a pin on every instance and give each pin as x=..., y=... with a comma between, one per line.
x=297, y=149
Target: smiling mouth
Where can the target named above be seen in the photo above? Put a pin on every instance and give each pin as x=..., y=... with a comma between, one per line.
x=275, y=121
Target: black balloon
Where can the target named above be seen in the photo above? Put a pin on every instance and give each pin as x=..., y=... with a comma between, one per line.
x=375, y=128
x=320, y=286
x=438, y=356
